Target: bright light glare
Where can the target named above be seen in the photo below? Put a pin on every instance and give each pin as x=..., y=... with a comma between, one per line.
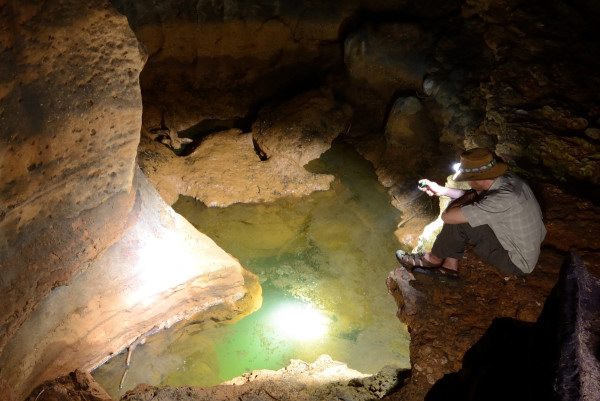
x=300, y=322
x=162, y=263
x=456, y=168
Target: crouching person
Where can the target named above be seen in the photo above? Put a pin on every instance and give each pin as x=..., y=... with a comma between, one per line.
x=499, y=216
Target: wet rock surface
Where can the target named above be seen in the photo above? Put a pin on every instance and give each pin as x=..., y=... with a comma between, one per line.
x=301, y=129
x=224, y=170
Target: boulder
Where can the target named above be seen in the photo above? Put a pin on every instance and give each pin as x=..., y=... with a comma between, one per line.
x=226, y=167
x=301, y=129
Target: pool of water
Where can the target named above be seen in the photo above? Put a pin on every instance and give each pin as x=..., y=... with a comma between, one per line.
x=322, y=261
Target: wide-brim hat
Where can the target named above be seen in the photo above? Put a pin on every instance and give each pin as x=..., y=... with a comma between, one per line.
x=479, y=164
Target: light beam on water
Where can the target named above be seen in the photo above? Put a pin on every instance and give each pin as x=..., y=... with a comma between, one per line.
x=322, y=262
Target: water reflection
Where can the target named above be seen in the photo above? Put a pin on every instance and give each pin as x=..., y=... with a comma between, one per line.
x=324, y=257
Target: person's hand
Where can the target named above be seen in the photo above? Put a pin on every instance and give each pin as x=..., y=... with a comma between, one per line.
x=431, y=188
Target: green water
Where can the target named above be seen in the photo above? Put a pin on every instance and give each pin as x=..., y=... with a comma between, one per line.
x=323, y=258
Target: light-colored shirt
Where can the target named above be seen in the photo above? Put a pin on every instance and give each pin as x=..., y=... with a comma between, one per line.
x=512, y=212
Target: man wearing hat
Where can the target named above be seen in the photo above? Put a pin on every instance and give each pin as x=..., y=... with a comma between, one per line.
x=499, y=216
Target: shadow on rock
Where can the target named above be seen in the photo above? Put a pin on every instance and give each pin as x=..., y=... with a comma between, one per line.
x=556, y=358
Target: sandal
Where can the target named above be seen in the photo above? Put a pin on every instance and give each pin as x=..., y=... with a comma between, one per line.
x=439, y=271
x=414, y=260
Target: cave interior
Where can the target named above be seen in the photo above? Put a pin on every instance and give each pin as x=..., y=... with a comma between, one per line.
x=112, y=110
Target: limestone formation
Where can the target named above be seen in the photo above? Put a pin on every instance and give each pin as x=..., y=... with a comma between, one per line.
x=225, y=168
x=70, y=109
x=161, y=271
x=520, y=77
x=80, y=238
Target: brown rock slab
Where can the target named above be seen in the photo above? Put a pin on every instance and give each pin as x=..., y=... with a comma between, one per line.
x=224, y=170
x=161, y=271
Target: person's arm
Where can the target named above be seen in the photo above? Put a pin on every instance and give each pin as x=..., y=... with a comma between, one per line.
x=432, y=188
x=453, y=215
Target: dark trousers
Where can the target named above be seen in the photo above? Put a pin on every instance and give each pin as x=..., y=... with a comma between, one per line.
x=451, y=241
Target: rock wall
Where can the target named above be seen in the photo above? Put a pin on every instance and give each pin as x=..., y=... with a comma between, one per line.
x=71, y=110
x=517, y=77
x=221, y=59
x=91, y=258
